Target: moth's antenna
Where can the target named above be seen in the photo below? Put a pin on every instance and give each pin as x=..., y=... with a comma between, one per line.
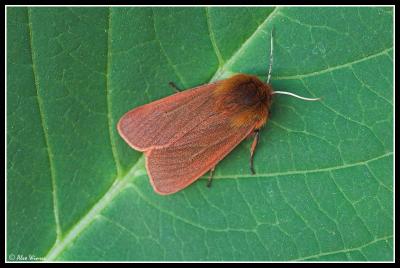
x=296, y=96
x=271, y=58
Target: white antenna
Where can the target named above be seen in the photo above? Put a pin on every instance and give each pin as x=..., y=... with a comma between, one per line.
x=271, y=58
x=296, y=96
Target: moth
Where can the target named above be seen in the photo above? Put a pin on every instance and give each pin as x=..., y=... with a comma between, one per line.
x=187, y=134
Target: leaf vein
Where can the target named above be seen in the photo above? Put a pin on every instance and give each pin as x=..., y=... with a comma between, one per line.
x=298, y=214
x=344, y=116
x=334, y=68
x=351, y=204
x=180, y=77
x=45, y=128
x=245, y=44
x=295, y=172
x=344, y=250
x=212, y=38
x=108, y=99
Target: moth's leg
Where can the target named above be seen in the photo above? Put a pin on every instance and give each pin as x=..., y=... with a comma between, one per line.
x=174, y=87
x=253, y=148
x=251, y=135
x=210, y=177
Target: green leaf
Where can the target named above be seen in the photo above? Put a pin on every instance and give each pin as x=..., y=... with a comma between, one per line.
x=324, y=183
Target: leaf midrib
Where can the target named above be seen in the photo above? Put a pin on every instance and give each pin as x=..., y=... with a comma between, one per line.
x=121, y=183
x=118, y=186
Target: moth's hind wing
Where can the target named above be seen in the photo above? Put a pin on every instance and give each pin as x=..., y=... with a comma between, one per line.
x=179, y=164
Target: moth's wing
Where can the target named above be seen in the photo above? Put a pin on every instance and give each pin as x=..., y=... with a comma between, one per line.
x=161, y=122
x=179, y=164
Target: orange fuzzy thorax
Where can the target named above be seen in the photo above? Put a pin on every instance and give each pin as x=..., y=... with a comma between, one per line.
x=245, y=98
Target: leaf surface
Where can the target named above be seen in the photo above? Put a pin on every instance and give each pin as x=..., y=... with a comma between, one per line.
x=324, y=183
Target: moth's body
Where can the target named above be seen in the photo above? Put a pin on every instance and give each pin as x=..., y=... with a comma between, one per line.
x=186, y=134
